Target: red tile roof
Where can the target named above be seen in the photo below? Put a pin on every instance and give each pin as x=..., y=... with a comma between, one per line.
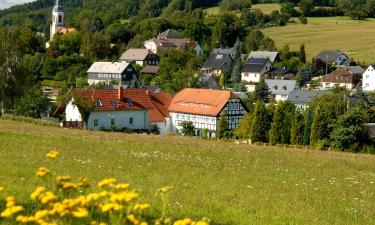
x=141, y=99
x=201, y=101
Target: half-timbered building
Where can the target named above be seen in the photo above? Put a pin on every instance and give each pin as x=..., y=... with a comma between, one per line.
x=204, y=107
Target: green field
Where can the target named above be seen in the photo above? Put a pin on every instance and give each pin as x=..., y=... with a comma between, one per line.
x=329, y=33
x=229, y=183
x=265, y=8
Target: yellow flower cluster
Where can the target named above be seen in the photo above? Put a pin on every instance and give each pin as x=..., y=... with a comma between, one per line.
x=42, y=172
x=114, y=203
x=52, y=154
x=11, y=208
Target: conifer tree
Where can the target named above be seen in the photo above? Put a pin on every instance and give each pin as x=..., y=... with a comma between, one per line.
x=307, y=129
x=262, y=92
x=288, y=109
x=277, y=125
x=297, y=132
x=260, y=125
x=222, y=125
x=302, y=54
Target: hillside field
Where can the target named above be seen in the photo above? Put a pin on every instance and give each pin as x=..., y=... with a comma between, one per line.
x=227, y=182
x=265, y=8
x=329, y=33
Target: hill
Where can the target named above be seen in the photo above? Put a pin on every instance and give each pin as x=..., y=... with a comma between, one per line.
x=352, y=36
x=231, y=184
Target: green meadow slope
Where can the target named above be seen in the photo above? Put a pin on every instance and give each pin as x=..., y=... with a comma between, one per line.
x=229, y=183
x=329, y=33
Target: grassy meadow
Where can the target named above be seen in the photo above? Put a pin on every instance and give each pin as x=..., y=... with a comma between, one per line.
x=351, y=36
x=265, y=8
x=229, y=183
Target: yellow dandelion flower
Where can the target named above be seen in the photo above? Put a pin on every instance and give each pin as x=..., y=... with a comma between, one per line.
x=133, y=219
x=63, y=178
x=48, y=197
x=69, y=186
x=1, y=189
x=186, y=221
x=10, y=211
x=42, y=172
x=52, y=154
x=10, y=201
x=37, y=193
x=122, y=186
x=25, y=219
x=80, y=213
x=141, y=207
x=107, y=182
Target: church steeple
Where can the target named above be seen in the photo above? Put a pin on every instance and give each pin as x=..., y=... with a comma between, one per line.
x=57, y=18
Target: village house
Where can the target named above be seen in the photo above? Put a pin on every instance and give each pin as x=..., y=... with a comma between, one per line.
x=204, y=107
x=151, y=70
x=368, y=79
x=342, y=77
x=272, y=56
x=280, y=89
x=140, y=56
x=302, y=98
x=254, y=69
x=280, y=74
x=136, y=109
x=171, y=39
x=112, y=72
x=334, y=58
x=220, y=61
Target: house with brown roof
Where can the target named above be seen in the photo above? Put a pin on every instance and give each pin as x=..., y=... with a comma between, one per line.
x=136, y=109
x=203, y=107
x=342, y=77
x=140, y=56
x=171, y=39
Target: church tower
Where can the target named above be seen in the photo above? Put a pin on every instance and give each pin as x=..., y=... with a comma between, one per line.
x=57, y=19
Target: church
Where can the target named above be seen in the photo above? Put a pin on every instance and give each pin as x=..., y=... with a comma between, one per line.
x=57, y=26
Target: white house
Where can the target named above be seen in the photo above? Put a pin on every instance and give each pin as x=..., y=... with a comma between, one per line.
x=203, y=107
x=136, y=109
x=280, y=89
x=110, y=72
x=254, y=69
x=368, y=79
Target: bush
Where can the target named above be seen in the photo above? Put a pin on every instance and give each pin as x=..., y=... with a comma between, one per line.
x=303, y=20
x=29, y=120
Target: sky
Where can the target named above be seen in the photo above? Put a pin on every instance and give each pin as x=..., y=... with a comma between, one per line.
x=8, y=3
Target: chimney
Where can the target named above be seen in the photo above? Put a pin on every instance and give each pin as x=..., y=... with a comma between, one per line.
x=147, y=92
x=120, y=91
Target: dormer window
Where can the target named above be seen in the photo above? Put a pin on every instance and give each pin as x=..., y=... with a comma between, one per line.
x=275, y=87
x=98, y=102
x=219, y=56
x=284, y=88
x=129, y=101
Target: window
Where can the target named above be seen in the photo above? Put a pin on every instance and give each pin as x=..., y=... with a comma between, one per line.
x=60, y=19
x=129, y=69
x=98, y=102
x=112, y=122
x=131, y=120
x=96, y=122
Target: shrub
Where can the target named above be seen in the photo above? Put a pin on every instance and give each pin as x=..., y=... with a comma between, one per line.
x=303, y=19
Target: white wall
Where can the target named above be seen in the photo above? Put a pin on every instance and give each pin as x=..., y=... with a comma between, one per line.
x=255, y=77
x=164, y=127
x=328, y=85
x=72, y=112
x=140, y=120
x=150, y=45
x=368, y=79
x=199, y=122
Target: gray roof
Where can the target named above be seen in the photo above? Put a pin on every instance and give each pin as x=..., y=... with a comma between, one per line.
x=356, y=69
x=150, y=69
x=170, y=33
x=255, y=65
x=279, y=71
x=264, y=54
x=303, y=97
x=281, y=87
x=329, y=56
x=58, y=7
x=108, y=67
x=224, y=51
x=135, y=54
x=218, y=61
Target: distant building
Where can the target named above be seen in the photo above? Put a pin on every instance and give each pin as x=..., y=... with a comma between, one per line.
x=272, y=56
x=302, y=98
x=152, y=70
x=254, y=69
x=368, y=79
x=204, y=107
x=140, y=56
x=171, y=39
x=57, y=26
x=280, y=89
x=342, y=77
x=280, y=74
x=136, y=109
x=112, y=72
x=335, y=58
x=219, y=62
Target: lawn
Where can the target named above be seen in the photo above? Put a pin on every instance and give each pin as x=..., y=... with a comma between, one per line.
x=329, y=33
x=229, y=183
